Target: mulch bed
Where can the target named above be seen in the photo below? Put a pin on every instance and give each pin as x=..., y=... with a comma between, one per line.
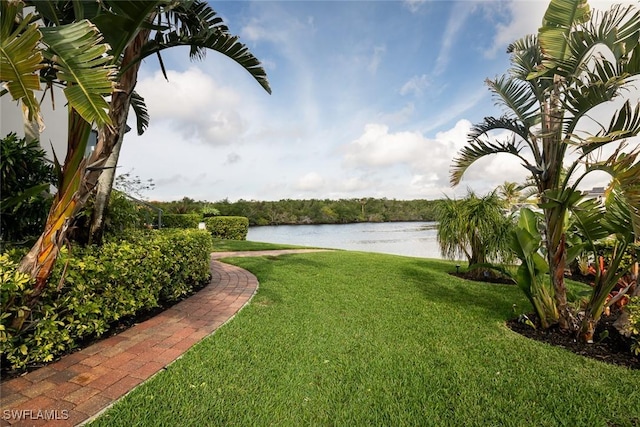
x=610, y=346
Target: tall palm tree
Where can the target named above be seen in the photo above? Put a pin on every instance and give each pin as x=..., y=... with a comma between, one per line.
x=557, y=77
x=192, y=23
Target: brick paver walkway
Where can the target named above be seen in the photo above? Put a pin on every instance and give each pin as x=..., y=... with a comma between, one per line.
x=82, y=384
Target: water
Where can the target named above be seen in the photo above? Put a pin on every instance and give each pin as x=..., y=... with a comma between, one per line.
x=416, y=239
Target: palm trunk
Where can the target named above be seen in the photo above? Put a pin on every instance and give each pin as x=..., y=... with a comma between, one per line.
x=79, y=177
x=39, y=261
x=552, y=114
x=118, y=112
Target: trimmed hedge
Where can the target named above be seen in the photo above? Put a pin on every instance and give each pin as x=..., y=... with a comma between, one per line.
x=100, y=286
x=228, y=227
x=181, y=220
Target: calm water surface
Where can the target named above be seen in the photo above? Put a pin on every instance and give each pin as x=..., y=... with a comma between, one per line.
x=416, y=239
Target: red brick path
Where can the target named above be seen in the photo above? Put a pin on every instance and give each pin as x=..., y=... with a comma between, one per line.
x=80, y=385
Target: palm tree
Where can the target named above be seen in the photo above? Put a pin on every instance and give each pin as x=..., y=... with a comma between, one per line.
x=510, y=193
x=74, y=55
x=475, y=228
x=557, y=77
x=192, y=24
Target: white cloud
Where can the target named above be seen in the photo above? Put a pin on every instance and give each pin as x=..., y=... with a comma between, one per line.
x=312, y=181
x=457, y=19
x=416, y=85
x=198, y=107
x=414, y=5
x=376, y=58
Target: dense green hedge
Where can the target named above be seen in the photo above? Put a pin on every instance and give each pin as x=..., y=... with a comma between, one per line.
x=228, y=227
x=181, y=220
x=100, y=286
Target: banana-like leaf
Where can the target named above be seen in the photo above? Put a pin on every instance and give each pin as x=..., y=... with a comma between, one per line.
x=624, y=124
x=140, y=109
x=21, y=59
x=559, y=19
x=82, y=61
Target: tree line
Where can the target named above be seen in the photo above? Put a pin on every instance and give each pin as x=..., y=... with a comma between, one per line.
x=311, y=211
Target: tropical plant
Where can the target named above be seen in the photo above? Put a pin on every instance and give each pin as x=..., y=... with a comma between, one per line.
x=510, y=194
x=73, y=54
x=25, y=178
x=176, y=23
x=474, y=227
x=595, y=222
x=530, y=276
x=577, y=62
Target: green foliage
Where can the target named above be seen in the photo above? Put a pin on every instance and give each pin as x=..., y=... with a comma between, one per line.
x=25, y=177
x=526, y=242
x=312, y=211
x=633, y=308
x=93, y=287
x=474, y=227
x=228, y=227
x=190, y=220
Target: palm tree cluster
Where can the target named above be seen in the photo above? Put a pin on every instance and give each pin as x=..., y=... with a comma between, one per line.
x=579, y=60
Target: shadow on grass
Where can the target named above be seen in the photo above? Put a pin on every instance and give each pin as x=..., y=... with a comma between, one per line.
x=495, y=301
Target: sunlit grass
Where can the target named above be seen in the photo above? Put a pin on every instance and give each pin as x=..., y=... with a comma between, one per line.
x=358, y=339
x=220, y=245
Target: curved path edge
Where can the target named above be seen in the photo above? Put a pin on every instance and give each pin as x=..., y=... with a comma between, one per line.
x=80, y=386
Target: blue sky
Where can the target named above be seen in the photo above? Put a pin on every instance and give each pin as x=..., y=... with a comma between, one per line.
x=370, y=99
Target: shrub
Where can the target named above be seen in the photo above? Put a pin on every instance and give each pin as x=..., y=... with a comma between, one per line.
x=181, y=220
x=25, y=177
x=228, y=227
x=93, y=287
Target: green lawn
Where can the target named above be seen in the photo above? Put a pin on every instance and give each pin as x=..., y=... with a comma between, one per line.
x=220, y=245
x=357, y=339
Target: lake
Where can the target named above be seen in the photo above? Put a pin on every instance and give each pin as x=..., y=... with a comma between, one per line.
x=417, y=239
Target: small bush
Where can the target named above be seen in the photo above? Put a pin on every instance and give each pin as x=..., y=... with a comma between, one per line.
x=181, y=220
x=93, y=287
x=25, y=177
x=228, y=227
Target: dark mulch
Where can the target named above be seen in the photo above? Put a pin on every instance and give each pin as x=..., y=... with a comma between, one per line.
x=610, y=346
x=498, y=280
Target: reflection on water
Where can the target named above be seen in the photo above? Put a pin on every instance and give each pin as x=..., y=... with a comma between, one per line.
x=400, y=238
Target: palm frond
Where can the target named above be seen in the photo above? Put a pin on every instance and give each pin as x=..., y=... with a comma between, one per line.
x=82, y=61
x=625, y=123
x=560, y=17
x=491, y=123
x=213, y=39
x=517, y=97
x=140, y=109
x=20, y=59
x=478, y=149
